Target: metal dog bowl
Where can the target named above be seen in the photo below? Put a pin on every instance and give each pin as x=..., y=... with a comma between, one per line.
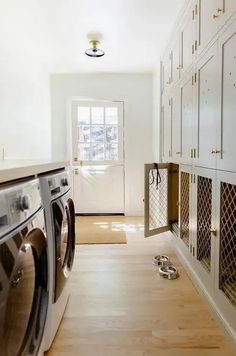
x=169, y=272
x=161, y=260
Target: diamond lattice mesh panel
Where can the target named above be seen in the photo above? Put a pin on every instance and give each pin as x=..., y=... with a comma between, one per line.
x=158, y=199
x=227, y=282
x=185, y=191
x=204, y=216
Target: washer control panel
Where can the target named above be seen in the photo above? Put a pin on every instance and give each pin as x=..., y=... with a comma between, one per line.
x=17, y=203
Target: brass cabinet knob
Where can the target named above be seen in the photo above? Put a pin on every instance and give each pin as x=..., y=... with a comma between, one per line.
x=215, y=16
x=178, y=153
x=213, y=231
x=219, y=10
x=215, y=151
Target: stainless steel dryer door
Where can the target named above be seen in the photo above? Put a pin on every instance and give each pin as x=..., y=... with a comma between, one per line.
x=64, y=234
x=23, y=288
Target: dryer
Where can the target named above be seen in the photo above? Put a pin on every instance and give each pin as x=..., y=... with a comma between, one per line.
x=23, y=269
x=60, y=226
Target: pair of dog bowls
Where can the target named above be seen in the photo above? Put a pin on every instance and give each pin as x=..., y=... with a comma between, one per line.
x=166, y=269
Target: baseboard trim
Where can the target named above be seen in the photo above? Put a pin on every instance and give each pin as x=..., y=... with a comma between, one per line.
x=230, y=333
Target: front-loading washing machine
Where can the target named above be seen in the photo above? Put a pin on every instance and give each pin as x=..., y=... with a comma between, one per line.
x=23, y=269
x=60, y=226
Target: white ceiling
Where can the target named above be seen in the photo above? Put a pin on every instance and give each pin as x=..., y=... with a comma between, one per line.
x=55, y=32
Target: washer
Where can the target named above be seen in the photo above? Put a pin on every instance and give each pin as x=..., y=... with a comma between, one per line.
x=24, y=291
x=60, y=226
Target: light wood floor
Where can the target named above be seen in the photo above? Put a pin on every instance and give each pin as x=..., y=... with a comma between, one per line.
x=119, y=306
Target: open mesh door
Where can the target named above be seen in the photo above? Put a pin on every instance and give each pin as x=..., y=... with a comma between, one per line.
x=156, y=199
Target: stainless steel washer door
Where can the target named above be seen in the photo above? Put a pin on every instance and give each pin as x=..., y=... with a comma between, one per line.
x=23, y=289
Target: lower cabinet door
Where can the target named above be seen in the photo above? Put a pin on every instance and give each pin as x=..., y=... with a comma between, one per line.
x=204, y=224
x=185, y=206
x=225, y=273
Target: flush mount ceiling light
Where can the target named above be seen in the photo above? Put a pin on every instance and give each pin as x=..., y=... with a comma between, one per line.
x=94, y=51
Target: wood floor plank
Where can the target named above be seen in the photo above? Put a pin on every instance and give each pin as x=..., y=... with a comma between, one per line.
x=120, y=306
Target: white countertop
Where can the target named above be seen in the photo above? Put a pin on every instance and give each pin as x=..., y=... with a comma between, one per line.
x=11, y=170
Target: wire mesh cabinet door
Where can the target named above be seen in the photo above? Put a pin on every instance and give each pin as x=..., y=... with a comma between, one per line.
x=156, y=199
x=204, y=223
x=185, y=206
x=225, y=281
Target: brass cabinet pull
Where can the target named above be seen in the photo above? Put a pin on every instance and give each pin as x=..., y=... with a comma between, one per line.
x=219, y=10
x=215, y=151
x=179, y=67
x=215, y=16
x=178, y=153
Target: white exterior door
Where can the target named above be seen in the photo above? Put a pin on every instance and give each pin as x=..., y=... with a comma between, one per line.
x=98, y=157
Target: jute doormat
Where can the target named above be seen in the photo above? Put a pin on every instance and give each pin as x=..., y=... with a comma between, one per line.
x=100, y=230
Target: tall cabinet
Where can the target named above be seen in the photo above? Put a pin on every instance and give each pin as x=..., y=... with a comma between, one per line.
x=198, y=120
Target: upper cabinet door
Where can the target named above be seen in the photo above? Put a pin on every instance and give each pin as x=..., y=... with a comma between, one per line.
x=176, y=64
x=225, y=10
x=226, y=140
x=187, y=112
x=167, y=74
x=208, y=108
x=207, y=22
x=167, y=128
x=176, y=124
x=188, y=39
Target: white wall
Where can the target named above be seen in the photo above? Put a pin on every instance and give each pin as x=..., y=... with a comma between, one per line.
x=136, y=92
x=25, y=124
x=25, y=127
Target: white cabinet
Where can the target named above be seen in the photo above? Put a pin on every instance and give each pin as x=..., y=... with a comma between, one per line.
x=187, y=107
x=200, y=119
x=207, y=92
x=226, y=140
x=176, y=123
